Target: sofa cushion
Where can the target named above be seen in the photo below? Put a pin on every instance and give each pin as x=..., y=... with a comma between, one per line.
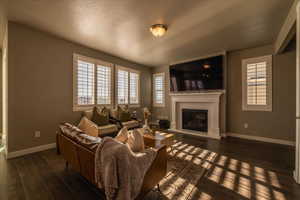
x=121, y=113
x=75, y=134
x=136, y=140
x=122, y=135
x=88, y=114
x=124, y=115
x=131, y=124
x=100, y=117
x=88, y=127
x=114, y=113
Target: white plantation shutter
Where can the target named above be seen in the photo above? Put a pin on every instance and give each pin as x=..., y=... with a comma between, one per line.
x=257, y=83
x=159, y=89
x=134, y=88
x=103, y=85
x=122, y=86
x=85, y=83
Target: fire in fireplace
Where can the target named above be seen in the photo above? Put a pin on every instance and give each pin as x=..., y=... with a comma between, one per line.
x=195, y=120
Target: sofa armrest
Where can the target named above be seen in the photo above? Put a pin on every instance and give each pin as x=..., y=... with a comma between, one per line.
x=115, y=121
x=156, y=172
x=136, y=119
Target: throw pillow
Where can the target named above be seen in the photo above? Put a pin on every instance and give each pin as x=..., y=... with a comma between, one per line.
x=122, y=135
x=101, y=118
x=136, y=140
x=124, y=115
x=88, y=127
x=114, y=113
x=88, y=114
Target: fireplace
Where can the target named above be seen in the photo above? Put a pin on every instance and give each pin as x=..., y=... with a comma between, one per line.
x=195, y=120
x=206, y=104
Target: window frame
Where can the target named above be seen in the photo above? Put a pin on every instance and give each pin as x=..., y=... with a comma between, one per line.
x=245, y=63
x=162, y=74
x=96, y=62
x=129, y=70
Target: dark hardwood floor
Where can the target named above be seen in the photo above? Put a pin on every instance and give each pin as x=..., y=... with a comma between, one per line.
x=241, y=170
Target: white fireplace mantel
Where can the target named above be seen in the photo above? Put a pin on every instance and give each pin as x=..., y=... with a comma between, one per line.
x=209, y=101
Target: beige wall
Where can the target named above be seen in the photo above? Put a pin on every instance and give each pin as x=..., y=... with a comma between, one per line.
x=3, y=25
x=3, y=21
x=1, y=113
x=4, y=91
x=40, y=84
x=279, y=124
x=163, y=112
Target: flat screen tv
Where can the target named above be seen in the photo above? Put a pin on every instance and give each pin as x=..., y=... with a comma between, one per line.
x=198, y=75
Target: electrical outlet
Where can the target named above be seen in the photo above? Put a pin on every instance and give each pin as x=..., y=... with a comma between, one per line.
x=245, y=125
x=37, y=134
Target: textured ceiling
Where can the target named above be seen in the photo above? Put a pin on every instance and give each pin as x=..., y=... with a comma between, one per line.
x=121, y=27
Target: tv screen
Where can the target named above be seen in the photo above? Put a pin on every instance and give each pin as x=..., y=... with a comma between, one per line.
x=198, y=75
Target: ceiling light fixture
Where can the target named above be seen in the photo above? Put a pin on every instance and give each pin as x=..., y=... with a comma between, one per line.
x=206, y=65
x=158, y=30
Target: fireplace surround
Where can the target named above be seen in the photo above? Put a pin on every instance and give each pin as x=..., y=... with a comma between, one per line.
x=206, y=101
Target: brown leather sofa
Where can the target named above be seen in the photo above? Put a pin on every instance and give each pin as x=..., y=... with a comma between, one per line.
x=82, y=160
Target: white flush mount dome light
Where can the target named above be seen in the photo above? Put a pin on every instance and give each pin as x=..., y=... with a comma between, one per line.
x=158, y=30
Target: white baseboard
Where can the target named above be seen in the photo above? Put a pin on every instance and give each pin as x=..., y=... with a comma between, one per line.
x=23, y=152
x=262, y=139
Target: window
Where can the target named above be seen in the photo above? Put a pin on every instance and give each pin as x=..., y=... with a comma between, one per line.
x=257, y=83
x=128, y=85
x=159, y=89
x=122, y=87
x=85, y=83
x=92, y=82
x=103, y=85
x=134, y=88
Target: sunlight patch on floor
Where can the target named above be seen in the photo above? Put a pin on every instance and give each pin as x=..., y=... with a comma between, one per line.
x=237, y=175
x=246, y=180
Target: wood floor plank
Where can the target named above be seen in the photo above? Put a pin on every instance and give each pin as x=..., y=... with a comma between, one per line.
x=54, y=184
x=10, y=182
x=76, y=184
x=34, y=185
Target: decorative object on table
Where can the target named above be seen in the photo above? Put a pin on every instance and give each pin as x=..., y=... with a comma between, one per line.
x=146, y=127
x=164, y=124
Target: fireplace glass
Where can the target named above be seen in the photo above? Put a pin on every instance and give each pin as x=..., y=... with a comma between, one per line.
x=195, y=120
